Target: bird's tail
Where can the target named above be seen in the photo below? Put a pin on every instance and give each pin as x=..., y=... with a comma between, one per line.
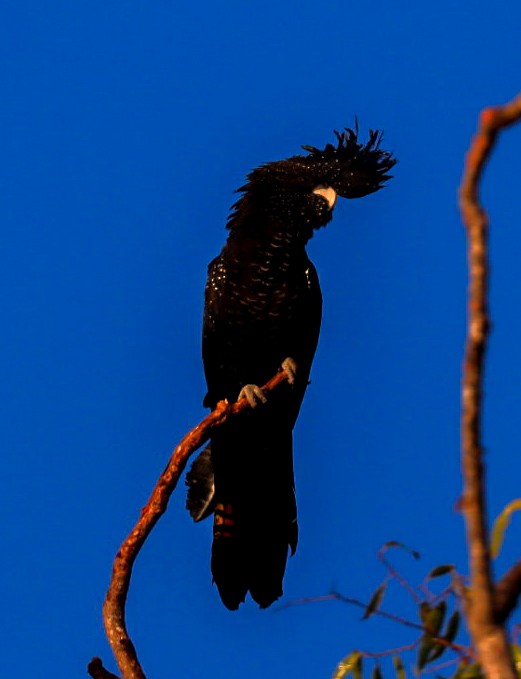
x=247, y=556
x=255, y=520
x=229, y=566
x=267, y=567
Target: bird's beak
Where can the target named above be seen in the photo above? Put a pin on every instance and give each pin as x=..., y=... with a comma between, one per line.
x=328, y=193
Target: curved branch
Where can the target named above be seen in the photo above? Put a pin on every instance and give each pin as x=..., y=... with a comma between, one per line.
x=489, y=636
x=114, y=605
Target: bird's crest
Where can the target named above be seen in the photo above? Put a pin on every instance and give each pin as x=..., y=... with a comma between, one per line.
x=352, y=168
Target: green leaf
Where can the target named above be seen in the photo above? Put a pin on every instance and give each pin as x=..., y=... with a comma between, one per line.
x=424, y=652
x=374, y=603
x=452, y=627
x=440, y=570
x=449, y=636
x=437, y=651
x=516, y=654
x=358, y=668
x=351, y=664
x=472, y=671
x=500, y=526
x=424, y=610
x=400, y=545
x=377, y=673
x=398, y=667
x=434, y=619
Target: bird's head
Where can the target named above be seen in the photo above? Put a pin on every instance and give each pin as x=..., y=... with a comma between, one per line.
x=351, y=168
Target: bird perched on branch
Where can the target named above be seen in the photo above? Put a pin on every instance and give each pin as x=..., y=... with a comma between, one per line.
x=262, y=314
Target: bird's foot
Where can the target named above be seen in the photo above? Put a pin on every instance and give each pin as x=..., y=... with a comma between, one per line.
x=289, y=366
x=253, y=394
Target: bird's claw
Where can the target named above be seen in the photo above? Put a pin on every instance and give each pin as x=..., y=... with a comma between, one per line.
x=253, y=394
x=289, y=366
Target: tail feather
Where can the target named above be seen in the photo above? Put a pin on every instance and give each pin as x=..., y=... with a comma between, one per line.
x=267, y=564
x=247, y=558
x=255, y=519
x=229, y=567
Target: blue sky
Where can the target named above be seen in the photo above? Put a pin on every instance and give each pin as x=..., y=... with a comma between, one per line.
x=126, y=127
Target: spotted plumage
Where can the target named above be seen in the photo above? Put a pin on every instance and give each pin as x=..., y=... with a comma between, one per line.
x=263, y=309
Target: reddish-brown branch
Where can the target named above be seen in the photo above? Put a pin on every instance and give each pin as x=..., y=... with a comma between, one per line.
x=114, y=605
x=489, y=637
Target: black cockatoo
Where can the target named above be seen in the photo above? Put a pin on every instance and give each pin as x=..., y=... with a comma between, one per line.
x=262, y=314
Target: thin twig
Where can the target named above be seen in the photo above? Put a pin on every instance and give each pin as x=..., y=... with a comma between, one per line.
x=114, y=605
x=394, y=573
x=391, y=651
x=440, y=666
x=462, y=651
x=489, y=637
x=335, y=596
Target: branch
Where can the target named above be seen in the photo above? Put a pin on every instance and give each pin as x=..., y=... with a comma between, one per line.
x=489, y=636
x=462, y=651
x=114, y=605
x=336, y=596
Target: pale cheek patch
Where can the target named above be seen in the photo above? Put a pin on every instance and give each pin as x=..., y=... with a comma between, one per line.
x=328, y=193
